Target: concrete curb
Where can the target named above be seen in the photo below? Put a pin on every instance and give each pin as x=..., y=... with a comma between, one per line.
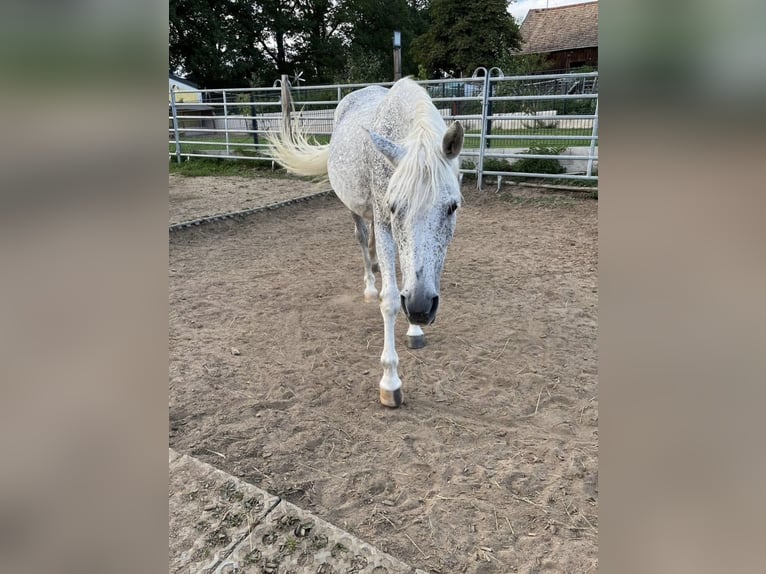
x=220, y=524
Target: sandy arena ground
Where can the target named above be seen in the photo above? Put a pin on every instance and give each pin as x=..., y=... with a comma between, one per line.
x=490, y=465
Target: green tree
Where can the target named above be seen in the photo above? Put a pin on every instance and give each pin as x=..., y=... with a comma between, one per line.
x=302, y=36
x=235, y=43
x=275, y=23
x=369, y=37
x=212, y=44
x=319, y=45
x=464, y=35
x=363, y=67
x=524, y=64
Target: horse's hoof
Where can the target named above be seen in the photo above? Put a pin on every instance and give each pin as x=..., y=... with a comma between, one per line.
x=370, y=296
x=415, y=342
x=375, y=268
x=391, y=399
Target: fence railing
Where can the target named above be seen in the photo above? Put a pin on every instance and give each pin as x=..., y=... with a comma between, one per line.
x=540, y=126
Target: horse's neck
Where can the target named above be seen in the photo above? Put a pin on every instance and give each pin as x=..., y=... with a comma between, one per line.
x=400, y=123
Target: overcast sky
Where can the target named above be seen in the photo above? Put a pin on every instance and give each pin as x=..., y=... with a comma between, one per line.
x=520, y=8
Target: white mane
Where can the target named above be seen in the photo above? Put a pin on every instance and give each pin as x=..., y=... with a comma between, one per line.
x=424, y=169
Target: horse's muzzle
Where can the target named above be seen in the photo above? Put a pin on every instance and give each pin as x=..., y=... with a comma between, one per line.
x=420, y=310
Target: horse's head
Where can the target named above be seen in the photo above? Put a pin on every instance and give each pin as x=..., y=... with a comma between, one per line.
x=422, y=197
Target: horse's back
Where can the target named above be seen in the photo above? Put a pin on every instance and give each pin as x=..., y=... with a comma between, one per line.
x=350, y=158
x=360, y=103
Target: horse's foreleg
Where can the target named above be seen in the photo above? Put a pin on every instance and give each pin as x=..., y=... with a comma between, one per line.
x=390, y=383
x=372, y=249
x=361, y=233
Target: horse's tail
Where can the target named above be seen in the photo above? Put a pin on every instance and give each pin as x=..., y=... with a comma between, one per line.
x=297, y=155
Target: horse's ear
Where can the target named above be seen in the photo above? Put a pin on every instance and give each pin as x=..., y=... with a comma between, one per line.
x=453, y=141
x=393, y=152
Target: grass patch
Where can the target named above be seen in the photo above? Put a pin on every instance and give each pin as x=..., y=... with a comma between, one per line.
x=209, y=143
x=555, y=181
x=552, y=200
x=290, y=545
x=201, y=167
x=536, y=137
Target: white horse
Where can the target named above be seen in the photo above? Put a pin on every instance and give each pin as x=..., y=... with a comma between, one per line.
x=392, y=161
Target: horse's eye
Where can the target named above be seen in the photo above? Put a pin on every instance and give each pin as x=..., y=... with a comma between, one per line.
x=452, y=208
x=393, y=208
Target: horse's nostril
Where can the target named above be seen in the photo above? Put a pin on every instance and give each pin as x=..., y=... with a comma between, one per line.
x=420, y=310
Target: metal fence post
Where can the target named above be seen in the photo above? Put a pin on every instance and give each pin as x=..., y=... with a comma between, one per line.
x=491, y=90
x=175, y=123
x=488, y=121
x=593, y=136
x=226, y=122
x=482, y=140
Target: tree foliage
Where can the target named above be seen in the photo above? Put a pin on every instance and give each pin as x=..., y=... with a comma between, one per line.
x=236, y=43
x=301, y=36
x=524, y=64
x=209, y=42
x=370, y=37
x=465, y=35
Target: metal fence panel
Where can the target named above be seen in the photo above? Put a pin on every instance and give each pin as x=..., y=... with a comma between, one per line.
x=509, y=121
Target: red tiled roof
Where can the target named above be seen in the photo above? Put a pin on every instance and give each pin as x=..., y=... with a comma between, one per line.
x=560, y=28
